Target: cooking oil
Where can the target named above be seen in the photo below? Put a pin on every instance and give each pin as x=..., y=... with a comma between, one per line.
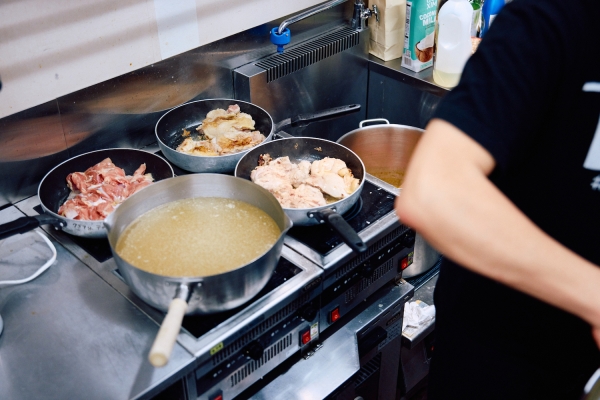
x=446, y=79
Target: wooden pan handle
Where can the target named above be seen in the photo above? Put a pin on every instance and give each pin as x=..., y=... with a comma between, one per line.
x=167, y=334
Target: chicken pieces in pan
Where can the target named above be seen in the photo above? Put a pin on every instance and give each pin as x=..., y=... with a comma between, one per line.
x=222, y=132
x=305, y=185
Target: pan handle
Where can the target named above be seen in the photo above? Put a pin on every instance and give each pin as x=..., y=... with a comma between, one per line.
x=169, y=329
x=305, y=119
x=25, y=224
x=341, y=226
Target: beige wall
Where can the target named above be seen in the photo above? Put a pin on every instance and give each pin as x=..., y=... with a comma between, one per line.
x=49, y=48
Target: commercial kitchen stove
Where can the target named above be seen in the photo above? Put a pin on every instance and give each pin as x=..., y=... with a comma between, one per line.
x=235, y=348
x=350, y=278
x=317, y=282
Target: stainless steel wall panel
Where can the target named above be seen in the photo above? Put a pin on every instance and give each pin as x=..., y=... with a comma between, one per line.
x=123, y=111
x=398, y=102
x=322, y=78
x=32, y=143
x=309, y=53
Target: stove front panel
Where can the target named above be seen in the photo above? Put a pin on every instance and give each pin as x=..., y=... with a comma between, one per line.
x=248, y=365
x=351, y=283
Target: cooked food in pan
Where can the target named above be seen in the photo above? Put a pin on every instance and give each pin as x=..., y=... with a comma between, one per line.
x=306, y=184
x=199, y=236
x=96, y=192
x=222, y=132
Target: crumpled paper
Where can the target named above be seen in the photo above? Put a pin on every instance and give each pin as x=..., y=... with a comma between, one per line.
x=417, y=314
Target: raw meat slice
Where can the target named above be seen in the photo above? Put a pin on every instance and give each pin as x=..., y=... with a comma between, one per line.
x=96, y=192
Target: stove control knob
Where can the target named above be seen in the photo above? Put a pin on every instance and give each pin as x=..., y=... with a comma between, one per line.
x=254, y=350
x=408, y=240
x=308, y=313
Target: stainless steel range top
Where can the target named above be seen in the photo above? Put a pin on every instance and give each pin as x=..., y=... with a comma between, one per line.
x=318, y=281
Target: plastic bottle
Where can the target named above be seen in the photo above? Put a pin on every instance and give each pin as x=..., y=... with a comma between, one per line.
x=491, y=8
x=453, y=45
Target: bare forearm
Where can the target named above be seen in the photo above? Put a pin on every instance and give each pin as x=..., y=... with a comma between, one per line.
x=459, y=211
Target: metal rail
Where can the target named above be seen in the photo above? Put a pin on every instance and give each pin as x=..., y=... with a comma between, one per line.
x=308, y=13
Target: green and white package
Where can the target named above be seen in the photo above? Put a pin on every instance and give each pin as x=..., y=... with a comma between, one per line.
x=419, y=34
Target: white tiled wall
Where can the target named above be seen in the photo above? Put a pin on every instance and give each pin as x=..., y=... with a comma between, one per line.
x=52, y=48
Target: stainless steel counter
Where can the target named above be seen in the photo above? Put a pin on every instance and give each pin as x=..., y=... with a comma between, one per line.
x=68, y=334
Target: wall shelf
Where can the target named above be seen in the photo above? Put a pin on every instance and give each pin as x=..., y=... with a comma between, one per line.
x=419, y=80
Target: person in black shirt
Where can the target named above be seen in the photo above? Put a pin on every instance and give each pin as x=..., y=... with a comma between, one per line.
x=505, y=182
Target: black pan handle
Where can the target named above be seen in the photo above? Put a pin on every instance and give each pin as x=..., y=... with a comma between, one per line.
x=24, y=224
x=305, y=119
x=342, y=227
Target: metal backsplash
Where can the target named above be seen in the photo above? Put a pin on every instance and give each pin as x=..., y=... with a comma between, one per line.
x=399, y=102
x=123, y=111
x=324, y=72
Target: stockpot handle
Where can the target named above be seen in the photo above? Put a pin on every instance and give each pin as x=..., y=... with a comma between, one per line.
x=25, y=224
x=169, y=329
x=342, y=227
x=362, y=123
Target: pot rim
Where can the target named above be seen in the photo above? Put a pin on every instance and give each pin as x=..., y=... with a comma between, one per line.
x=379, y=126
x=109, y=223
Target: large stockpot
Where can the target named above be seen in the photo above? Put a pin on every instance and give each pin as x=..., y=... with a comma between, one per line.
x=53, y=190
x=312, y=149
x=195, y=294
x=386, y=150
x=170, y=126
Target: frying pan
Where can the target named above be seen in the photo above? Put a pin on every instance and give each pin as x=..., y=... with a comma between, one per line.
x=195, y=294
x=170, y=126
x=312, y=149
x=53, y=190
